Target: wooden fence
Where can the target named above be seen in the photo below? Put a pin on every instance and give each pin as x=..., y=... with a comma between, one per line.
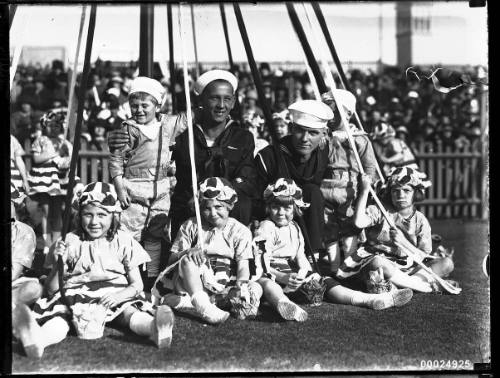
x=459, y=183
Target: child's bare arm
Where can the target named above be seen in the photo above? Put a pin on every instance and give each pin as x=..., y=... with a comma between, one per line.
x=360, y=218
x=43, y=157
x=130, y=292
x=243, y=272
x=302, y=261
x=52, y=282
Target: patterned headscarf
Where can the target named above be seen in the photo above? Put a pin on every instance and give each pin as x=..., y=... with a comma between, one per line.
x=54, y=117
x=283, y=115
x=284, y=187
x=217, y=188
x=253, y=119
x=408, y=176
x=383, y=130
x=99, y=194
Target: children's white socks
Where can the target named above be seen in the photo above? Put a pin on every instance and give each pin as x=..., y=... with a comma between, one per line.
x=141, y=323
x=207, y=310
x=291, y=311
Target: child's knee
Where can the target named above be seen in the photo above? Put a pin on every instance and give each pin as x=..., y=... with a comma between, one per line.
x=29, y=293
x=443, y=266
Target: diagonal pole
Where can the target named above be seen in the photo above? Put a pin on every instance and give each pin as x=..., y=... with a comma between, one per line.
x=194, y=176
x=226, y=35
x=76, y=145
x=12, y=13
x=197, y=66
x=338, y=64
x=171, y=61
x=268, y=116
x=71, y=105
x=299, y=30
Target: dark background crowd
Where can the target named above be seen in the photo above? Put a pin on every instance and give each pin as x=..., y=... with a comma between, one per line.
x=408, y=101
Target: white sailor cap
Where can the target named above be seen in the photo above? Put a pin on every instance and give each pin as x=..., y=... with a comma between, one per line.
x=346, y=98
x=213, y=75
x=149, y=86
x=310, y=113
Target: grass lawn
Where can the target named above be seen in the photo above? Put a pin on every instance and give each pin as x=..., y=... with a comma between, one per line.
x=335, y=338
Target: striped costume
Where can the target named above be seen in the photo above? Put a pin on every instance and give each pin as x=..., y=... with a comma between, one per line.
x=51, y=177
x=15, y=176
x=224, y=249
x=416, y=229
x=282, y=246
x=94, y=268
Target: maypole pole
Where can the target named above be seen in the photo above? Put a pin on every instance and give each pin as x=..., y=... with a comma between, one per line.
x=146, y=40
x=171, y=61
x=76, y=146
x=197, y=66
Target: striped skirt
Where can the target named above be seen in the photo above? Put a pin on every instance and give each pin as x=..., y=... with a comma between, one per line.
x=15, y=177
x=48, y=308
x=354, y=263
x=44, y=178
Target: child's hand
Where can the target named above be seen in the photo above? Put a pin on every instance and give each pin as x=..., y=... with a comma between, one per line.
x=396, y=236
x=294, y=282
x=366, y=182
x=61, y=250
x=117, y=139
x=123, y=197
x=110, y=300
x=197, y=255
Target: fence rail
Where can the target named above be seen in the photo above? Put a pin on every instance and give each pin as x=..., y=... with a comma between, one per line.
x=459, y=186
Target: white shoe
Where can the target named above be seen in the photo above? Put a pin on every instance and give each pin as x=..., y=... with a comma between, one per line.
x=207, y=310
x=163, y=324
x=291, y=311
x=396, y=298
x=28, y=331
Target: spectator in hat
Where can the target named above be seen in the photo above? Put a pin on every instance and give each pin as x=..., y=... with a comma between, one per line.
x=23, y=119
x=250, y=103
x=281, y=121
x=402, y=133
x=303, y=160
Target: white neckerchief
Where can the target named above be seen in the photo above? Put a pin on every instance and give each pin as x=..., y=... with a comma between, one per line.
x=150, y=130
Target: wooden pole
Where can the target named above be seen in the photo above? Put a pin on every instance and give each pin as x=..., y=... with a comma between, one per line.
x=146, y=39
x=299, y=30
x=69, y=131
x=226, y=35
x=76, y=144
x=12, y=13
x=197, y=66
x=171, y=61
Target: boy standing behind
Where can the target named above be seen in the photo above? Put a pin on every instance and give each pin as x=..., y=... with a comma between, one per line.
x=142, y=170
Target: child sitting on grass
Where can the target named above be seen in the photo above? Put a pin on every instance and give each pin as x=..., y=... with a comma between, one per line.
x=142, y=170
x=101, y=265
x=212, y=271
x=404, y=187
x=283, y=261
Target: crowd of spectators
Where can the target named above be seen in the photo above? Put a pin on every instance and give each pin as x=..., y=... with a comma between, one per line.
x=411, y=104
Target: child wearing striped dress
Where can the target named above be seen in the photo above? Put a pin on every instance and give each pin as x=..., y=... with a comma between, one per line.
x=209, y=273
x=283, y=266
x=101, y=268
x=48, y=177
x=18, y=175
x=404, y=187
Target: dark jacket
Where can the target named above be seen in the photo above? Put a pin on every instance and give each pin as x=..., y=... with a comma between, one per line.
x=310, y=172
x=230, y=157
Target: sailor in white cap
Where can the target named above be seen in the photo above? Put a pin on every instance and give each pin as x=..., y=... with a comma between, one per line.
x=222, y=148
x=340, y=184
x=303, y=159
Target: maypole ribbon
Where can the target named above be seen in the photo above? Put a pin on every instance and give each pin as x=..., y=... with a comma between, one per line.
x=194, y=177
x=73, y=74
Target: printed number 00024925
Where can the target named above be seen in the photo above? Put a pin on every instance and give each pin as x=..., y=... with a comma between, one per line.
x=446, y=364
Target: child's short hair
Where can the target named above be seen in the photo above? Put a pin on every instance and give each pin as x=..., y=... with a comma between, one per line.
x=143, y=96
x=283, y=201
